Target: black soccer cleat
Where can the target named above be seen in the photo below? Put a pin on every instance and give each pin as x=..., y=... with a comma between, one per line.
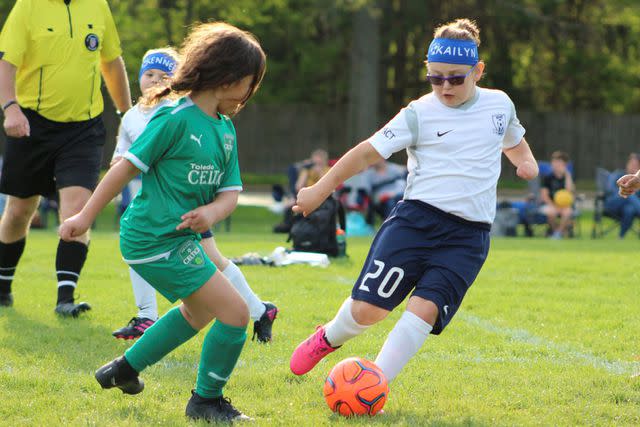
x=134, y=329
x=217, y=409
x=6, y=300
x=262, y=327
x=118, y=373
x=69, y=309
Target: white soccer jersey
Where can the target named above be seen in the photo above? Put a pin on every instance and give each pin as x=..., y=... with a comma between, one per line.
x=133, y=123
x=454, y=154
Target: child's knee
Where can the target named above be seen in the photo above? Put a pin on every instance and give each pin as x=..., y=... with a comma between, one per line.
x=365, y=313
x=243, y=313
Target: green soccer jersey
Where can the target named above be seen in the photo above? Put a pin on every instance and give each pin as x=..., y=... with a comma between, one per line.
x=186, y=158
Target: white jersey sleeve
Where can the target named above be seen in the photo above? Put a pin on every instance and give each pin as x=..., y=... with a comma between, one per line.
x=401, y=132
x=124, y=139
x=133, y=124
x=515, y=131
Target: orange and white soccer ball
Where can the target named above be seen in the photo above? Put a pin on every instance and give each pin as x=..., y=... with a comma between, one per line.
x=356, y=386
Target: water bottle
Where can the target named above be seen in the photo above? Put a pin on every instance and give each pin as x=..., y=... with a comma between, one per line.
x=341, y=238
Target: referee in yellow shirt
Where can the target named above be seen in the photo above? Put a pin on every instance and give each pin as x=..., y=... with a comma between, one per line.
x=52, y=56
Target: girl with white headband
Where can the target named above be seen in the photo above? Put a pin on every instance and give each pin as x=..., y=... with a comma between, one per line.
x=436, y=239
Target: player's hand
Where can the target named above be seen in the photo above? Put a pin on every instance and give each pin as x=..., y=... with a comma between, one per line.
x=308, y=200
x=199, y=220
x=628, y=185
x=115, y=160
x=527, y=170
x=16, y=124
x=74, y=226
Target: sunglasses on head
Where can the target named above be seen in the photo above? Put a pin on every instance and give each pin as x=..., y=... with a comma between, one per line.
x=453, y=80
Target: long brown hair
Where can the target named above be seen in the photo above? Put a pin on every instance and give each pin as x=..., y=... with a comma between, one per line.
x=213, y=55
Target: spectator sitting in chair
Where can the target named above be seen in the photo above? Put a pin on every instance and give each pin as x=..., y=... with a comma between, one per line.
x=308, y=173
x=312, y=172
x=387, y=182
x=559, y=179
x=626, y=209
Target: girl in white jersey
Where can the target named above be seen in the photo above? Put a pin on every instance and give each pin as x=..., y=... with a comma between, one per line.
x=156, y=70
x=436, y=239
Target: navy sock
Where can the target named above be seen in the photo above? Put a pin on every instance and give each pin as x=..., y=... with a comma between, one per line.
x=69, y=261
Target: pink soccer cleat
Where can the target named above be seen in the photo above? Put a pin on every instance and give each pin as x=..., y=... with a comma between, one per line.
x=310, y=352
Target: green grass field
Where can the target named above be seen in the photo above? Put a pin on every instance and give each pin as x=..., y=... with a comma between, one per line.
x=548, y=335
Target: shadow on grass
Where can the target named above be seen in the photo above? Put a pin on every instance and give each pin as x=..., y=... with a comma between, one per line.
x=77, y=343
x=405, y=417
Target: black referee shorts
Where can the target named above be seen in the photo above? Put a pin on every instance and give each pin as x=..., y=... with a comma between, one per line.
x=56, y=155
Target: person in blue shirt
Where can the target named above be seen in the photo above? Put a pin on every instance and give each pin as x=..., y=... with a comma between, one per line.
x=623, y=208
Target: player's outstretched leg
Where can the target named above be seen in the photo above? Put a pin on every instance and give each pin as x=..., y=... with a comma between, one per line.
x=262, y=327
x=262, y=313
x=310, y=352
x=342, y=328
x=134, y=329
x=145, y=297
x=118, y=373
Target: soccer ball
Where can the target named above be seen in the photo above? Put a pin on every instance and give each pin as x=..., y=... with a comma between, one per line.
x=356, y=386
x=563, y=198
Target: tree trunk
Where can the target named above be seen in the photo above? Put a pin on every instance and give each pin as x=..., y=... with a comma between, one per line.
x=365, y=57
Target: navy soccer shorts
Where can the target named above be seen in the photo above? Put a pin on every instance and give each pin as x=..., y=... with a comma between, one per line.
x=421, y=248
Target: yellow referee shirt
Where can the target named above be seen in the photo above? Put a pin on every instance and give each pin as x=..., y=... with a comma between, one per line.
x=57, y=47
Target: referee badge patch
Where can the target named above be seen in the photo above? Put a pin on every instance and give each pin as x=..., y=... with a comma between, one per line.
x=92, y=42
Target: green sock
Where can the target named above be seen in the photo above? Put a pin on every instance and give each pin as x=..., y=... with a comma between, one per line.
x=169, y=332
x=220, y=352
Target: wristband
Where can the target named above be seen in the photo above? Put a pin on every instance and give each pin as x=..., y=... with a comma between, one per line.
x=9, y=104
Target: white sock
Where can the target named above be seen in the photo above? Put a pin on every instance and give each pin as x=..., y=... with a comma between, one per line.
x=343, y=327
x=404, y=340
x=145, y=296
x=235, y=276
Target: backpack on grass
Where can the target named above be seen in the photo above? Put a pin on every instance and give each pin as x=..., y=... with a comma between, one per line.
x=317, y=232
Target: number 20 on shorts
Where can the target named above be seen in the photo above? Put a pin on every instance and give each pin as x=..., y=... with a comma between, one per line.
x=394, y=273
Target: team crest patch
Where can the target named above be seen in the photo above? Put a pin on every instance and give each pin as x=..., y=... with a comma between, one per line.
x=228, y=145
x=499, y=123
x=92, y=42
x=191, y=254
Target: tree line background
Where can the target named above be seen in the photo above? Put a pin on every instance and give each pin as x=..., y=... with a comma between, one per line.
x=338, y=69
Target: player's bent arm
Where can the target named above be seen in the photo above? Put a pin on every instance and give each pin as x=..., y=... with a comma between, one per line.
x=353, y=162
x=109, y=187
x=522, y=158
x=223, y=205
x=115, y=77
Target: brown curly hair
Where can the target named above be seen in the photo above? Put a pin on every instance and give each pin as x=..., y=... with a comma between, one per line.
x=213, y=55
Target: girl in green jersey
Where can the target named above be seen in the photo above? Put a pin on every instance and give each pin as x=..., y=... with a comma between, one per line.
x=188, y=157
